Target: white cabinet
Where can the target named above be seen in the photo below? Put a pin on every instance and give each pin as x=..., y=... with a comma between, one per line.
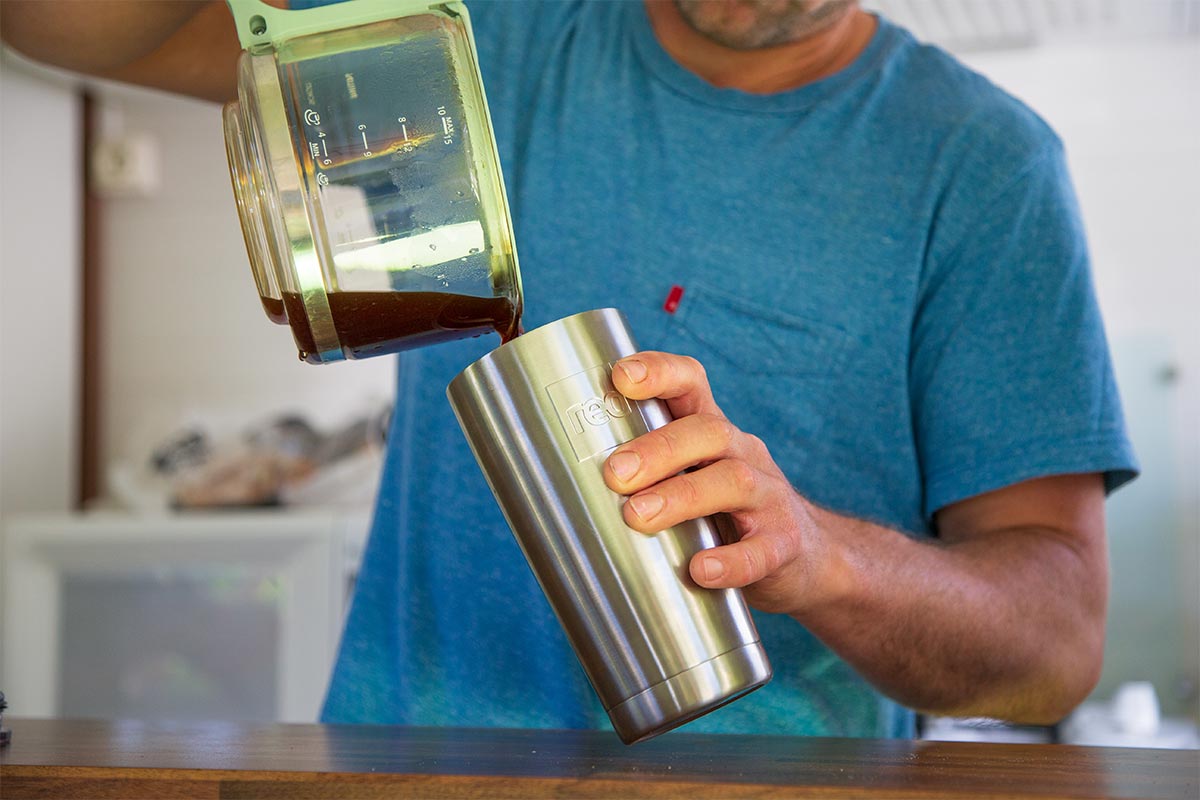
x=232, y=616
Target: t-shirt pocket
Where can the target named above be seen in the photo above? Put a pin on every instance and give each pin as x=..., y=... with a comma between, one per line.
x=774, y=373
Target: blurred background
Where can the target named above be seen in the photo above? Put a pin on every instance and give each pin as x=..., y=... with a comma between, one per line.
x=183, y=503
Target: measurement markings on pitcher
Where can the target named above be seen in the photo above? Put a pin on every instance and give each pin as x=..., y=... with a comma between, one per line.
x=319, y=150
x=407, y=145
x=447, y=125
x=362, y=129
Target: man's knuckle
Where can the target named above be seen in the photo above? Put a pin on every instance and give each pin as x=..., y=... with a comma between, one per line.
x=742, y=476
x=721, y=431
x=657, y=444
x=688, y=490
x=751, y=563
x=777, y=554
x=756, y=446
x=770, y=558
x=670, y=442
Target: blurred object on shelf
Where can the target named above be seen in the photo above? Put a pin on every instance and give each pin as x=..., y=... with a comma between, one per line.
x=285, y=461
x=188, y=449
x=1131, y=719
x=240, y=479
x=289, y=437
x=249, y=472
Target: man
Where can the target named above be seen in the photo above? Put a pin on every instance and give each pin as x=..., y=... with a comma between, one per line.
x=887, y=364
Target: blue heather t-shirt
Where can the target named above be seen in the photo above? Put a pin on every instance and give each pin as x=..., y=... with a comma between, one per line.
x=884, y=274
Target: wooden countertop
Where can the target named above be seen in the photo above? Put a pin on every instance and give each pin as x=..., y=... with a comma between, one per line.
x=73, y=758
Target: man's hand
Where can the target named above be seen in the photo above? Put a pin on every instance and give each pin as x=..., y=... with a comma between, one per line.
x=781, y=557
x=1002, y=615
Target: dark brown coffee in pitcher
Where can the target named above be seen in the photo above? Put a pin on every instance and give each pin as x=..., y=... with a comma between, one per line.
x=376, y=323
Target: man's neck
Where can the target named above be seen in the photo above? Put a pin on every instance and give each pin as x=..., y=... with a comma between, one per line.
x=767, y=70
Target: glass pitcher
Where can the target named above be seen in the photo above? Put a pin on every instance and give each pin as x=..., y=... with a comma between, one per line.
x=367, y=179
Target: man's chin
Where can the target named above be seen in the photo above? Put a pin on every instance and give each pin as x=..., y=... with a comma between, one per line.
x=758, y=24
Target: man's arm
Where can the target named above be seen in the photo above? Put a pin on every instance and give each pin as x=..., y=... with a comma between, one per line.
x=184, y=46
x=1002, y=617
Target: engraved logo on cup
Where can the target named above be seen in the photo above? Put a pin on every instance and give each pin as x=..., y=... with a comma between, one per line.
x=592, y=411
x=598, y=410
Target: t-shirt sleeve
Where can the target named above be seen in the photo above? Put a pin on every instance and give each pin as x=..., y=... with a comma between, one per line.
x=1010, y=373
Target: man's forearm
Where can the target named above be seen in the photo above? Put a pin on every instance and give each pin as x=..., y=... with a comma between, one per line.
x=95, y=35
x=184, y=46
x=1006, y=624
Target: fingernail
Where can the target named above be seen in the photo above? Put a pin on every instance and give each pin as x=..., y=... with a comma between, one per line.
x=713, y=568
x=634, y=370
x=646, y=505
x=625, y=464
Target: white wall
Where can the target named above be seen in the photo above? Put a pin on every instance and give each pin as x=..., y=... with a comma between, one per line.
x=185, y=338
x=1129, y=115
x=39, y=291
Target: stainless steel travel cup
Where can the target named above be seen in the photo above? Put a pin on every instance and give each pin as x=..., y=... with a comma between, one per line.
x=541, y=416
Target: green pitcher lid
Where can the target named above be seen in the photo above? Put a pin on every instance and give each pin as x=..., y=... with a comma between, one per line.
x=263, y=27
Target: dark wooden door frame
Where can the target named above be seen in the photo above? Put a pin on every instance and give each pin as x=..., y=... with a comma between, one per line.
x=89, y=478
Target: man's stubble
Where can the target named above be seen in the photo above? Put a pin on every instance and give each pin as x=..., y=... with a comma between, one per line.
x=757, y=24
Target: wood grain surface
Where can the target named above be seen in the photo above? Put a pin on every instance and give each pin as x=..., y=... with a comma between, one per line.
x=66, y=758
